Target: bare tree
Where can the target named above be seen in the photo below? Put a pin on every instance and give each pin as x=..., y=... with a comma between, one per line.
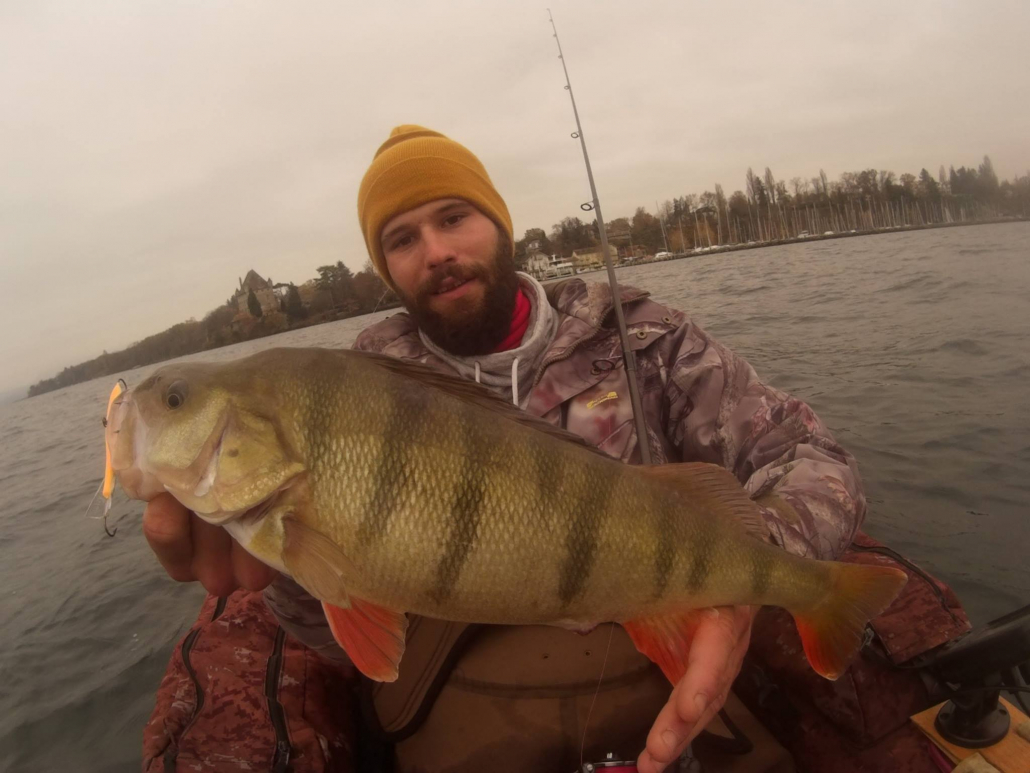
x=770, y=185
x=720, y=203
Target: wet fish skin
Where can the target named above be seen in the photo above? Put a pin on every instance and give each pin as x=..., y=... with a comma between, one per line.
x=380, y=482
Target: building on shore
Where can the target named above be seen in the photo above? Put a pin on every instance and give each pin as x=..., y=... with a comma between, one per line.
x=266, y=292
x=544, y=266
x=592, y=258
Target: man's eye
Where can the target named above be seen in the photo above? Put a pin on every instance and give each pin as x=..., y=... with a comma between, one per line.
x=404, y=241
x=454, y=219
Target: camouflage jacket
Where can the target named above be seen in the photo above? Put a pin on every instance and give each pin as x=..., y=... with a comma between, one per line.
x=701, y=403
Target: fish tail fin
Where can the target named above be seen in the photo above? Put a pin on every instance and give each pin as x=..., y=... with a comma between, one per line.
x=665, y=639
x=833, y=630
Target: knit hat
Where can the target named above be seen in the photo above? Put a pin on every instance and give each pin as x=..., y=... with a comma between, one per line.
x=416, y=166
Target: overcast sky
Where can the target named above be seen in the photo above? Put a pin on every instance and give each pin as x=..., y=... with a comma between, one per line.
x=152, y=152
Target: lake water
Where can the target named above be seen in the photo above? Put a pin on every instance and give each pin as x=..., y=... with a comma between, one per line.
x=913, y=347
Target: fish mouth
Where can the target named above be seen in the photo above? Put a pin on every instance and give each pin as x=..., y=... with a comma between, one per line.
x=124, y=438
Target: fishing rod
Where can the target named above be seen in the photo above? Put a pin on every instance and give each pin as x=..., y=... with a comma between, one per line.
x=643, y=439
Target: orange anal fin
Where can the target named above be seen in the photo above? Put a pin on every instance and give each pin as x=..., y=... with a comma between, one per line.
x=666, y=639
x=372, y=636
x=833, y=631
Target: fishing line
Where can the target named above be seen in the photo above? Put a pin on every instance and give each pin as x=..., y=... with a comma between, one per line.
x=380, y=300
x=94, y=499
x=597, y=690
x=107, y=509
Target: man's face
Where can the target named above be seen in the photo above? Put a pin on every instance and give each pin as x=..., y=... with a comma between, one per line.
x=454, y=271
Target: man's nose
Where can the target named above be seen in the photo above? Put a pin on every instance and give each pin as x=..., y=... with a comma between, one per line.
x=437, y=248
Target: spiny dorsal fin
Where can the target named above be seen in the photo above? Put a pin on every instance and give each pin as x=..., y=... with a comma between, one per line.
x=714, y=487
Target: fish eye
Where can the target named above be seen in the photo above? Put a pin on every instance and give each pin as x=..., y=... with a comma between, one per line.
x=176, y=393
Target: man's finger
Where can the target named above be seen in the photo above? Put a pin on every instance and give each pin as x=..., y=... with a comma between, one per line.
x=680, y=719
x=212, y=558
x=670, y=735
x=710, y=653
x=250, y=573
x=166, y=525
x=666, y=739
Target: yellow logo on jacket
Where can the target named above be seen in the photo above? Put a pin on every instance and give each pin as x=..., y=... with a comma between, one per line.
x=603, y=399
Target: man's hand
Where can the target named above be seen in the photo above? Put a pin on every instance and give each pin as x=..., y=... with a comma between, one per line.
x=191, y=549
x=716, y=653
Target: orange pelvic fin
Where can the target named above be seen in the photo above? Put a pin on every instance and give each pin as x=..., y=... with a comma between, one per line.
x=372, y=637
x=832, y=631
x=666, y=639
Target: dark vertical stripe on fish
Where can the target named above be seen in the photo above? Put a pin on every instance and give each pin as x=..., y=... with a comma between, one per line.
x=581, y=542
x=701, y=553
x=664, y=550
x=389, y=468
x=761, y=573
x=549, y=466
x=465, y=510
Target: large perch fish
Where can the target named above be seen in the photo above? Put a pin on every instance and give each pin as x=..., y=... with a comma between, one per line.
x=384, y=487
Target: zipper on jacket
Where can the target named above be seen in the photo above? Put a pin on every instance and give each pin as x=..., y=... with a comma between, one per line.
x=281, y=758
x=173, y=751
x=172, y=754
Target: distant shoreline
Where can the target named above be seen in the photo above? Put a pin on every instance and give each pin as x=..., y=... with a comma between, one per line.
x=715, y=249
x=718, y=249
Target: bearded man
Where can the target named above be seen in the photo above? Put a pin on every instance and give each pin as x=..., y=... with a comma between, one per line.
x=517, y=698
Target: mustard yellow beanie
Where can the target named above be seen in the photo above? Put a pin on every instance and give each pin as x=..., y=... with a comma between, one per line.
x=416, y=166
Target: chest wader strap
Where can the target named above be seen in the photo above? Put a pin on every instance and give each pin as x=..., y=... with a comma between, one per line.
x=393, y=711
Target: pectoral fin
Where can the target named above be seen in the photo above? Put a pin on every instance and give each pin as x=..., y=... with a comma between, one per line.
x=314, y=561
x=666, y=639
x=372, y=637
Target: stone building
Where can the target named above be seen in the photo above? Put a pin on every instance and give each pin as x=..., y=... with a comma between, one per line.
x=265, y=291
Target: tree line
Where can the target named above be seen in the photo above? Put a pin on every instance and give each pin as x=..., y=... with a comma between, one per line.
x=338, y=293
x=768, y=209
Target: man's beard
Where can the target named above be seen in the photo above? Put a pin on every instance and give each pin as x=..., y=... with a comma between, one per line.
x=470, y=328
